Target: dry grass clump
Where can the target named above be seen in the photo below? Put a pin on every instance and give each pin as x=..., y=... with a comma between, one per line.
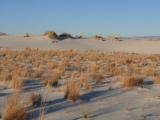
x=61, y=67
x=37, y=72
x=35, y=99
x=73, y=90
x=51, y=65
x=16, y=83
x=85, y=83
x=113, y=70
x=95, y=74
x=93, y=69
x=51, y=79
x=150, y=70
x=98, y=77
x=14, y=109
x=77, y=65
x=156, y=80
x=132, y=81
x=5, y=76
x=11, y=80
x=98, y=37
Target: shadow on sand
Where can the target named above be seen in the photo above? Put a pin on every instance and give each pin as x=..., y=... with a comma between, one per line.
x=61, y=104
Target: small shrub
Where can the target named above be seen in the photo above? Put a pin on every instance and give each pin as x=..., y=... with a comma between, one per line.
x=16, y=83
x=156, y=80
x=14, y=109
x=77, y=65
x=51, y=79
x=98, y=78
x=131, y=81
x=85, y=82
x=85, y=116
x=93, y=69
x=72, y=91
x=27, y=35
x=35, y=99
x=37, y=73
x=98, y=37
x=150, y=71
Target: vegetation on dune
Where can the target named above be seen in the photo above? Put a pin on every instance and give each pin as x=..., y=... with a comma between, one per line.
x=71, y=72
x=2, y=34
x=35, y=99
x=63, y=36
x=98, y=37
x=14, y=109
x=132, y=81
x=27, y=35
x=51, y=34
x=72, y=91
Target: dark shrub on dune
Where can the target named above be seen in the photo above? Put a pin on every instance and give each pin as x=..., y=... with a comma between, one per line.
x=78, y=37
x=2, y=34
x=115, y=38
x=27, y=35
x=98, y=37
x=65, y=36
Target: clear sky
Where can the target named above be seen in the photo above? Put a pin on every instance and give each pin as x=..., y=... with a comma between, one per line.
x=86, y=17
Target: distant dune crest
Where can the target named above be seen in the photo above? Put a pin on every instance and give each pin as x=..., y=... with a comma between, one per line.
x=2, y=34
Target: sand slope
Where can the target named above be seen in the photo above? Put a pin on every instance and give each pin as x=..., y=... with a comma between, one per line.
x=100, y=103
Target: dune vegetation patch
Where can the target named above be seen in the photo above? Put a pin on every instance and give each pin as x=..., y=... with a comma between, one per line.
x=14, y=109
x=51, y=34
x=133, y=81
x=70, y=73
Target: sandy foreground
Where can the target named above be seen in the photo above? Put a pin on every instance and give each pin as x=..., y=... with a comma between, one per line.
x=135, y=46
x=105, y=101
x=100, y=104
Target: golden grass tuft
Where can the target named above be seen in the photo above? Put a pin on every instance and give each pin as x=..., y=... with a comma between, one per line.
x=14, y=109
x=37, y=72
x=51, y=78
x=35, y=99
x=84, y=81
x=98, y=77
x=16, y=83
x=150, y=71
x=95, y=74
x=73, y=90
x=93, y=69
x=132, y=81
x=156, y=80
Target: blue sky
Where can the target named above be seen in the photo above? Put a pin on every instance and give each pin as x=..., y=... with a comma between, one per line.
x=86, y=17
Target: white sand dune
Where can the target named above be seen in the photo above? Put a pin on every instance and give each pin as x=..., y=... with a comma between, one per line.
x=130, y=45
x=101, y=103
